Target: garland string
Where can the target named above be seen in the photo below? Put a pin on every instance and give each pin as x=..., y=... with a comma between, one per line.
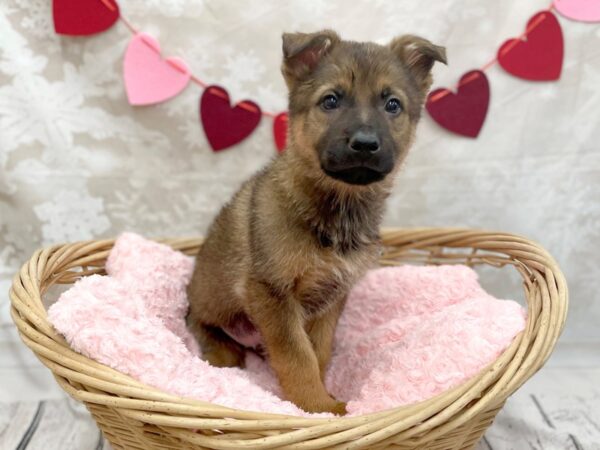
x=494, y=61
x=193, y=78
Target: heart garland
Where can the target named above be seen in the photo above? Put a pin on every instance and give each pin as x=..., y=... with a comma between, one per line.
x=226, y=126
x=536, y=55
x=582, y=10
x=148, y=78
x=83, y=18
x=280, y=130
x=463, y=112
x=539, y=57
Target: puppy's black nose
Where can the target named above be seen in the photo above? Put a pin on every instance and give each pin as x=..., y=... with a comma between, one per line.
x=364, y=141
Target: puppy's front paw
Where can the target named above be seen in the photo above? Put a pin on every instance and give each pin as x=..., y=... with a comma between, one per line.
x=339, y=409
x=330, y=405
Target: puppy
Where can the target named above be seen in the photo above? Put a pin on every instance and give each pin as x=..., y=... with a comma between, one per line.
x=281, y=256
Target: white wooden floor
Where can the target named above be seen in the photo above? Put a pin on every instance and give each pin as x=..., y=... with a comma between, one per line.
x=559, y=409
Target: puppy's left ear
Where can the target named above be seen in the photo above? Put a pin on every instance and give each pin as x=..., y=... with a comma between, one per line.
x=418, y=55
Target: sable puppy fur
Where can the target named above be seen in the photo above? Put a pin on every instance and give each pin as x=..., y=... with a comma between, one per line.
x=281, y=256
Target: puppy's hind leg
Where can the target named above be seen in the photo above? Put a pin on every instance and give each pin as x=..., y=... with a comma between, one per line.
x=218, y=348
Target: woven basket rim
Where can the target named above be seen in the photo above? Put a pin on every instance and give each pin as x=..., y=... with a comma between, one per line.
x=89, y=381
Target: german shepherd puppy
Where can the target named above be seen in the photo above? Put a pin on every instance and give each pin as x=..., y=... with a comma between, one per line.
x=281, y=256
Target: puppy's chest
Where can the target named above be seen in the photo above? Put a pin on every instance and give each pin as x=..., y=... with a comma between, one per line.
x=327, y=281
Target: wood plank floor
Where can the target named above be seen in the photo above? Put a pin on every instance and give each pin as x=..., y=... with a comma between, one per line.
x=559, y=409
x=48, y=425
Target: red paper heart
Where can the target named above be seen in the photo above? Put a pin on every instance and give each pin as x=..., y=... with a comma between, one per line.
x=538, y=55
x=226, y=126
x=280, y=129
x=465, y=111
x=82, y=18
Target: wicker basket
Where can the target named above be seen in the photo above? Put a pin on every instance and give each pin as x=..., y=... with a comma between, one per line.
x=135, y=416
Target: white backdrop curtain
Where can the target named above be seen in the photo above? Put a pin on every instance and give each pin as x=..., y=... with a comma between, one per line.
x=77, y=162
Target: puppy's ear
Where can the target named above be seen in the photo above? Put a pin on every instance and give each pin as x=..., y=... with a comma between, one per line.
x=418, y=55
x=302, y=52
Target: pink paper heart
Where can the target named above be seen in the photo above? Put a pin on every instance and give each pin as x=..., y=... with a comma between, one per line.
x=583, y=10
x=148, y=77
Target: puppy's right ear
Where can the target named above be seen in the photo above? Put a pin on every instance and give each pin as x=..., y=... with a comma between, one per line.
x=302, y=52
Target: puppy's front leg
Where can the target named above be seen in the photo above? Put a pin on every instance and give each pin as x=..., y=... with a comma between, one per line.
x=321, y=331
x=290, y=351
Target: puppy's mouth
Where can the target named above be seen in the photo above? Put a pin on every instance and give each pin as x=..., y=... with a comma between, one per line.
x=360, y=175
x=356, y=168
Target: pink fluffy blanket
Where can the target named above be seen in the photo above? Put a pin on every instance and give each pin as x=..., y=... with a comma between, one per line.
x=407, y=333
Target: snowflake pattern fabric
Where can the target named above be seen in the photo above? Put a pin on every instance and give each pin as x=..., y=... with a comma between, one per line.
x=77, y=162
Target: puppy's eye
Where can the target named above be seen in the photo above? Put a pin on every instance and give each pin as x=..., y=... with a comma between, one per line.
x=393, y=106
x=330, y=101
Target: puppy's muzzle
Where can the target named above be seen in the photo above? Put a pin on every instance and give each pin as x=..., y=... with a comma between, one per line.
x=361, y=159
